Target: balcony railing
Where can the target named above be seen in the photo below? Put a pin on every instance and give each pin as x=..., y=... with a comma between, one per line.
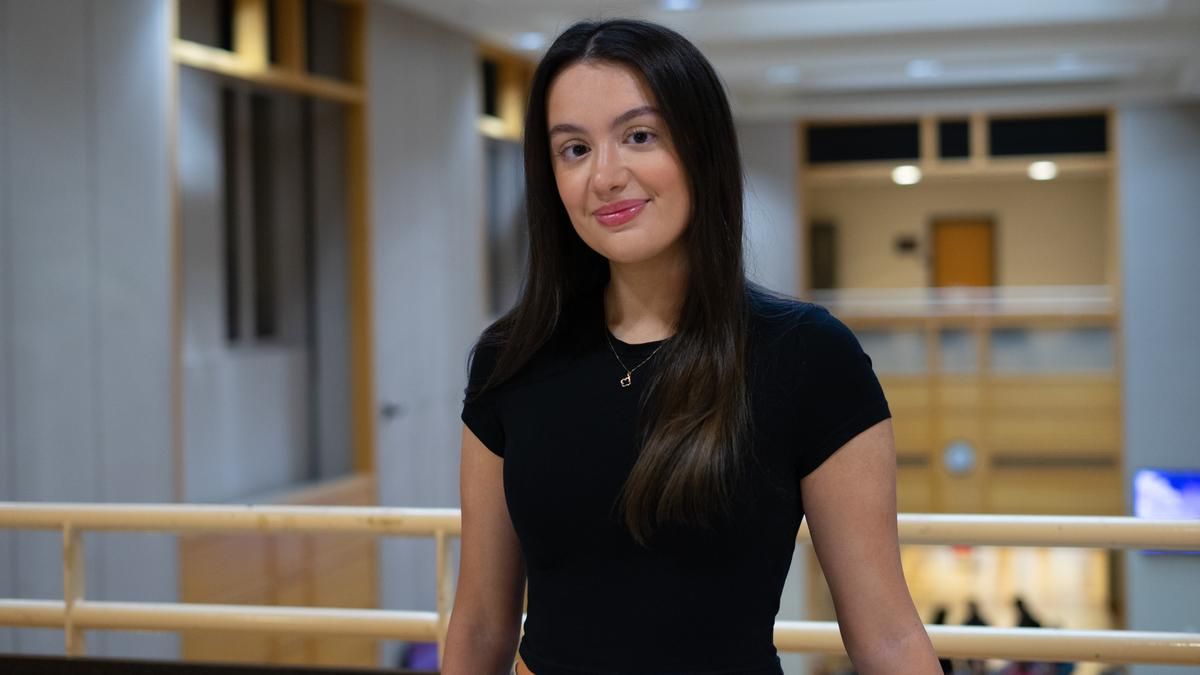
x=75, y=614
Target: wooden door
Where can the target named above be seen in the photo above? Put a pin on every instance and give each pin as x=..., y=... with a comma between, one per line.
x=963, y=253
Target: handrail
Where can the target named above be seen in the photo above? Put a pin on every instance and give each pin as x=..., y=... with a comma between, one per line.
x=1045, y=644
x=75, y=614
x=1108, y=532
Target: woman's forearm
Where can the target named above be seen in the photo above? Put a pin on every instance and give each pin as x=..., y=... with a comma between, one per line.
x=474, y=650
x=909, y=652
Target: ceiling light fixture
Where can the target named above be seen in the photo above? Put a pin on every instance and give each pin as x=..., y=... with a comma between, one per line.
x=781, y=75
x=1043, y=170
x=1067, y=61
x=924, y=68
x=680, y=5
x=530, y=41
x=906, y=174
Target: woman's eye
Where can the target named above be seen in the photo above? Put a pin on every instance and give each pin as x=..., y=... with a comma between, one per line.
x=574, y=151
x=641, y=137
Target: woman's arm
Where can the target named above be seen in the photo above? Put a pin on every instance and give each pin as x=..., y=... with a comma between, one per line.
x=485, y=623
x=850, y=503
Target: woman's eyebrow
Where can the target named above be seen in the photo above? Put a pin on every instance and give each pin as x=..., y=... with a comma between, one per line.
x=621, y=119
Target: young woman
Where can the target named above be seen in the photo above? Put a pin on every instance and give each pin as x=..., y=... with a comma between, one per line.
x=645, y=430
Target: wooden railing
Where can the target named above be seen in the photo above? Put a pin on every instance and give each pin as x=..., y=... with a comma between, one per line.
x=75, y=614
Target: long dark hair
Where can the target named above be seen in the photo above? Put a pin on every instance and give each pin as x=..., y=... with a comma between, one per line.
x=695, y=408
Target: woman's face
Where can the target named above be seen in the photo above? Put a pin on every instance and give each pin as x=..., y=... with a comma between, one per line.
x=617, y=172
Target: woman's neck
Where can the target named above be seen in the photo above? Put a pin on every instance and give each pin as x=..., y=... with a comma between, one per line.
x=642, y=301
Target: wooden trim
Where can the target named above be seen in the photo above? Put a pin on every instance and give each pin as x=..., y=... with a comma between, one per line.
x=980, y=143
x=1113, y=271
x=850, y=173
x=251, y=32
x=1069, y=111
x=929, y=142
x=228, y=64
x=291, y=35
x=362, y=324
x=356, y=44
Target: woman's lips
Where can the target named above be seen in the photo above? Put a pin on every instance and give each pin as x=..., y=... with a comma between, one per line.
x=619, y=213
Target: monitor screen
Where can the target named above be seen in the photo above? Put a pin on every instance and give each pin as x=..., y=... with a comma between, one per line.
x=1166, y=494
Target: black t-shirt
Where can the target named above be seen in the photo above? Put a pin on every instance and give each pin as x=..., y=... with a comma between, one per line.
x=695, y=601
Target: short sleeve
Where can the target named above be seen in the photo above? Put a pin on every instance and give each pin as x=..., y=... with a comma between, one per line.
x=839, y=395
x=480, y=411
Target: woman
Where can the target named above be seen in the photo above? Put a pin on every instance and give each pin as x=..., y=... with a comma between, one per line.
x=640, y=429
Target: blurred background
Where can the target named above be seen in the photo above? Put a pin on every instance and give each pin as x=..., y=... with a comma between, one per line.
x=246, y=245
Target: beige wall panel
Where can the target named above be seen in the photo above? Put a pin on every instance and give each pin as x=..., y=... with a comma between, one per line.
x=231, y=646
x=906, y=394
x=290, y=555
x=292, y=651
x=332, y=551
x=912, y=432
x=1091, y=395
x=960, y=395
x=227, y=647
x=1046, y=233
x=914, y=490
x=206, y=561
x=345, y=652
x=1055, y=433
x=1056, y=491
x=349, y=586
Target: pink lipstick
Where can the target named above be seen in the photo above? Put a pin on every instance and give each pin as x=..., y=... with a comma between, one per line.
x=619, y=213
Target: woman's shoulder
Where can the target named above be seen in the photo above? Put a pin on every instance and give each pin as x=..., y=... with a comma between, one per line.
x=795, y=324
x=777, y=313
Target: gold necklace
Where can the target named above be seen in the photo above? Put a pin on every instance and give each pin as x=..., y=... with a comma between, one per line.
x=628, y=379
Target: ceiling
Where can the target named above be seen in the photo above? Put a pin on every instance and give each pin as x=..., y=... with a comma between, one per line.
x=783, y=59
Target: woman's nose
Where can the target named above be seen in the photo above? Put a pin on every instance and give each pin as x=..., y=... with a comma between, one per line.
x=609, y=173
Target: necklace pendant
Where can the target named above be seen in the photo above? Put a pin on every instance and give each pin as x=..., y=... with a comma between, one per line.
x=627, y=380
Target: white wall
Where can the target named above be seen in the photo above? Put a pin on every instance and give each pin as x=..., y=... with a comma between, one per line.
x=8, y=460
x=426, y=204
x=770, y=155
x=774, y=248
x=1047, y=233
x=1160, y=170
x=85, y=277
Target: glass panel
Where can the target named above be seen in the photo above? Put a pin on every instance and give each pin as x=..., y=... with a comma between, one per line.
x=895, y=352
x=1058, y=350
x=958, y=351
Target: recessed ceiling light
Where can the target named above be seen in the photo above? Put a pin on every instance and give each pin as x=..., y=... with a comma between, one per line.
x=922, y=68
x=680, y=5
x=530, y=41
x=906, y=174
x=784, y=75
x=1043, y=170
x=1067, y=61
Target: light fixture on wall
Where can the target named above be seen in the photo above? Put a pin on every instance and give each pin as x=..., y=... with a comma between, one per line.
x=906, y=174
x=680, y=5
x=530, y=42
x=920, y=69
x=1043, y=170
x=784, y=75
